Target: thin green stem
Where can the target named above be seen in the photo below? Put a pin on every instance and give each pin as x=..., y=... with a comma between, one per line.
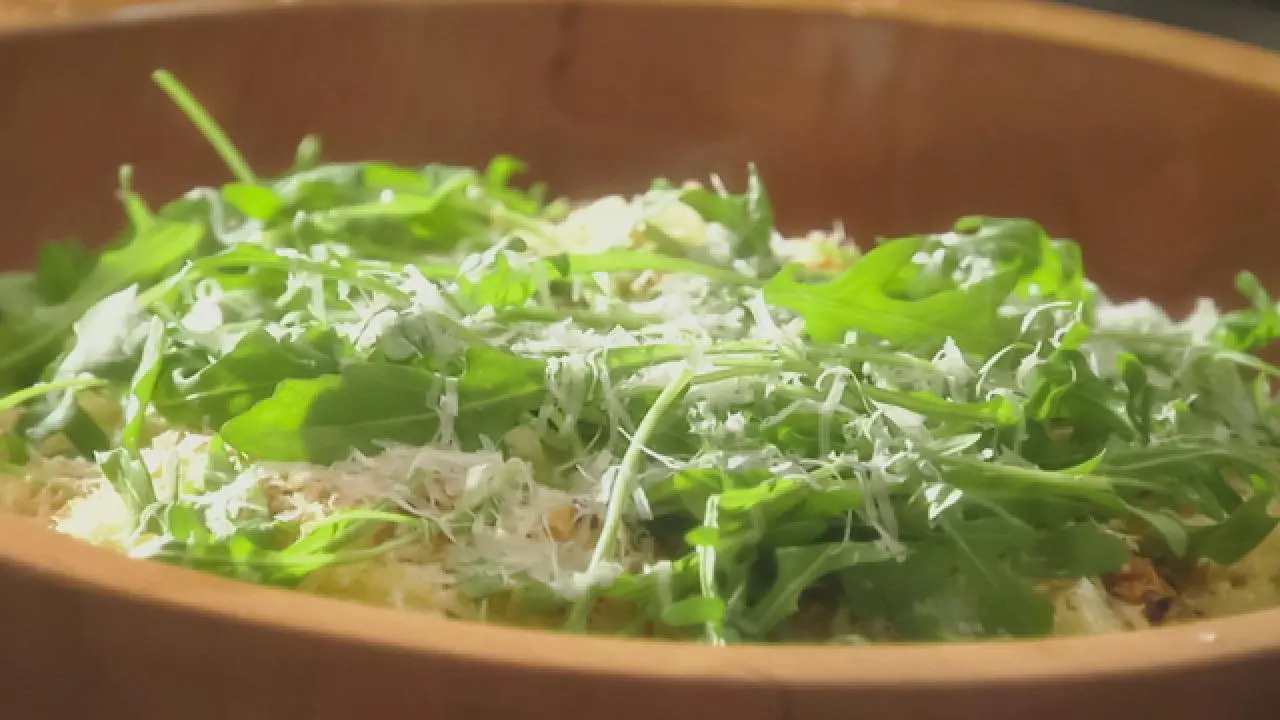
x=620, y=493
x=15, y=399
x=624, y=260
x=617, y=261
x=205, y=123
x=707, y=569
x=581, y=317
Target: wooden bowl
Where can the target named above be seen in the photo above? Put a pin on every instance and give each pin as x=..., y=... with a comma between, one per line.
x=1156, y=148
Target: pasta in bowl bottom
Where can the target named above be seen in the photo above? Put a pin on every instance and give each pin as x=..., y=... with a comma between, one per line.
x=666, y=416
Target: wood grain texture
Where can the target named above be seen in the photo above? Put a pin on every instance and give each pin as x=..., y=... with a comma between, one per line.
x=1155, y=148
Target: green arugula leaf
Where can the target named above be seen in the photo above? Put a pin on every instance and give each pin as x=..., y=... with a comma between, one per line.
x=748, y=216
x=61, y=268
x=1069, y=390
x=1005, y=602
x=899, y=591
x=801, y=567
x=324, y=419
x=1254, y=328
x=1171, y=529
x=223, y=387
x=1141, y=401
x=157, y=247
x=501, y=286
x=124, y=465
x=255, y=201
x=695, y=610
x=1076, y=551
x=857, y=300
x=1230, y=540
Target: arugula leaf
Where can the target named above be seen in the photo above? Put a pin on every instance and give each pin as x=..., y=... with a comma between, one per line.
x=857, y=300
x=135, y=207
x=1141, y=401
x=1005, y=602
x=1075, y=551
x=501, y=285
x=225, y=386
x=695, y=610
x=497, y=183
x=153, y=249
x=748, y=216
x=899, y=591
x=124, y=465
x=324, y=419
x=1171, y=529
x=255, y=201
x=1230, y=540
x=109, y=333
x=60, y=269
x=240, y=556
x=996, y=411
x=801, y=567
x=1031, y=482
x=495, y=392
x=1256, y=327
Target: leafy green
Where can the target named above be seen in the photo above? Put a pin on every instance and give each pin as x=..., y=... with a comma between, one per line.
x=1081, y=550
x=1005, y=602
x=369, y=405
x=152, y=250
x=201, y=391
x=1229, y=541
x=748, y=216
x=501, y=285
x=61, y=268
x=857, y=300
x=1256, y=327
x=801, y=567
x=254, y=201
x=124, y=465
x=240, y=556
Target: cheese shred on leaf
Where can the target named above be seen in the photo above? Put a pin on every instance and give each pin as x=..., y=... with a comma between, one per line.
x=433, y=389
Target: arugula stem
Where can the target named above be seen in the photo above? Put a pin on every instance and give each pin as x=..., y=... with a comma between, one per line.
x=205, y=123
x=707, y=569
x=352, y=272
x=620, y=494
x=618, y=261
x=581, y=317
x=624, y=260
x=19, y=397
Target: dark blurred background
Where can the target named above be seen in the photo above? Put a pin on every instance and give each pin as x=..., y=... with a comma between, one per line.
x=1251, y=21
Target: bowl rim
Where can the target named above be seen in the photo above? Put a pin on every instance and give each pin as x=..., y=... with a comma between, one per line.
x=1191, y=51
x=30, y=548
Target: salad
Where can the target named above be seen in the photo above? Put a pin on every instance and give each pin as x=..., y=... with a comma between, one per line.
x=432, y=389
